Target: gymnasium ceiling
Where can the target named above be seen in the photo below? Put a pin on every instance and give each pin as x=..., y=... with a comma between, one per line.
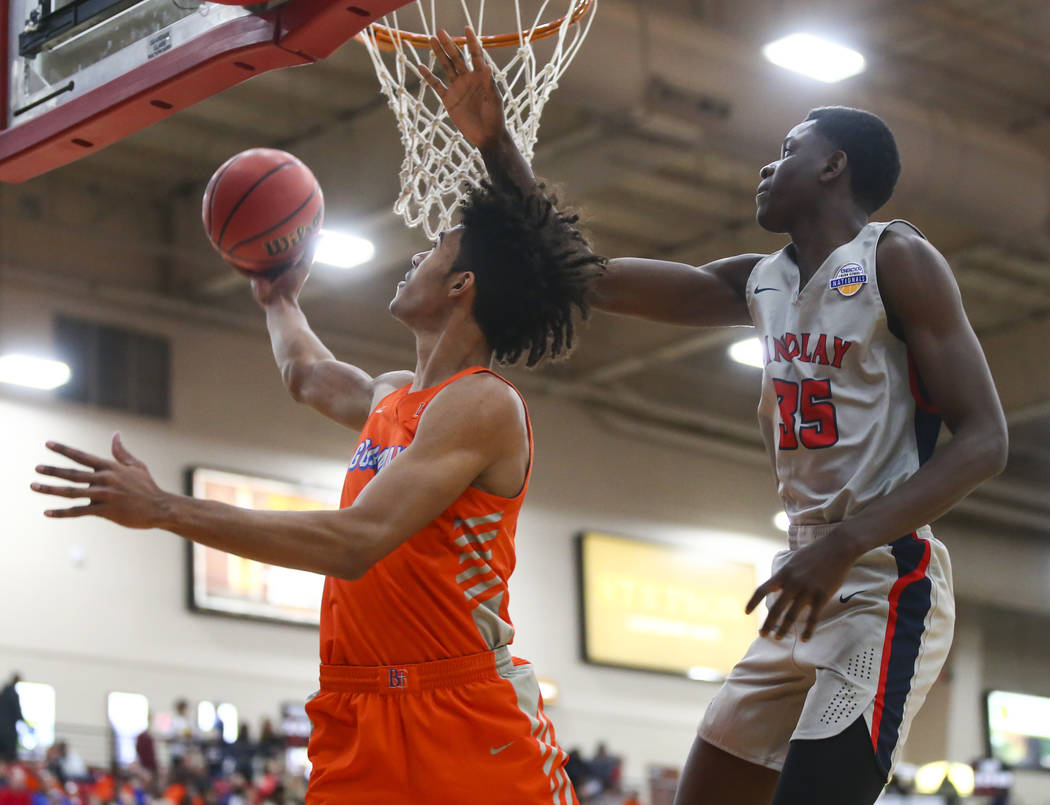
x=657, y=133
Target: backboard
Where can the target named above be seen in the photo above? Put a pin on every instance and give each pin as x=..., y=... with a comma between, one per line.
x=79, y=75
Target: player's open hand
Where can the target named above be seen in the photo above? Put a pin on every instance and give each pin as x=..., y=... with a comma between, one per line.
x=121, y=489
x=805, y=583
x=468, y=91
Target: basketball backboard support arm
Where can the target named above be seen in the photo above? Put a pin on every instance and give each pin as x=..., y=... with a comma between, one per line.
x=190, y=59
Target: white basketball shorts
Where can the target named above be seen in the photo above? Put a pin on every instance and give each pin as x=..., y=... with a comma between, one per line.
x=880, y=644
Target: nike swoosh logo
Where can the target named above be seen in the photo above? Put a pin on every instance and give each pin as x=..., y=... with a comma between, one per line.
x=845, y=598
x=495, y=751
x=760, y=290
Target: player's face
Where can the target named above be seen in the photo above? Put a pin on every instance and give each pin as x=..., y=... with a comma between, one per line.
x=789, y=186
x=424, y=289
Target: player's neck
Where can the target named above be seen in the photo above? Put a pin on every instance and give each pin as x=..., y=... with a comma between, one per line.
x=817, y=235
x=443, y=352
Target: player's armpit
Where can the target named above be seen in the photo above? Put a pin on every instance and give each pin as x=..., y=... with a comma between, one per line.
x=675, y=293
x=341, y=391
x=473, y=433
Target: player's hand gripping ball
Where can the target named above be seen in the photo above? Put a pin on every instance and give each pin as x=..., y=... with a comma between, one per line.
x=261, y=210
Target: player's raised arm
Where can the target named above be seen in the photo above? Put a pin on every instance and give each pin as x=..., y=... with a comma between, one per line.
x=309, y=370
x=474, y=105
x=473, y=433
x=658, y=290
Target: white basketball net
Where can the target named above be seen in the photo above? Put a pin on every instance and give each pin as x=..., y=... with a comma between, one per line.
x=439, y=162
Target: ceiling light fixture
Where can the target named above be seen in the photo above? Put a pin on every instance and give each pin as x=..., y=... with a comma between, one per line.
x=748, y=352
x=35, y=373
x=815, y=57
x=343, y=251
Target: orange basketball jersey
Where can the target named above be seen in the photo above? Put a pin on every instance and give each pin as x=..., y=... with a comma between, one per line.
x=441, y=594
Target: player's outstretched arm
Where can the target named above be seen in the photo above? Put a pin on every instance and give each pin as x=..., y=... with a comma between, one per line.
x=309, y=370
x=650, y=289
x=472, y=433
x=675, y=293
x=925, y=308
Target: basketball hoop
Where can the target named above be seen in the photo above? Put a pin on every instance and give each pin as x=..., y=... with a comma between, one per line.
x=439, y=163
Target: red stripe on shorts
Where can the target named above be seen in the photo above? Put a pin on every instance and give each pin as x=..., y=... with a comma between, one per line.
x=891, y=627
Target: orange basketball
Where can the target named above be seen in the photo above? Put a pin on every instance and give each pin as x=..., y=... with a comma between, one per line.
x=261, y=208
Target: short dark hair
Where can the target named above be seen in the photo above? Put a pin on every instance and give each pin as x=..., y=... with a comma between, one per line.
x=870, y=149
x=533, y=271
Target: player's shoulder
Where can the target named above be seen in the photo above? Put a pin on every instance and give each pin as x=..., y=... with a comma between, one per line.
x=736, y=270
x=738, y=264
x=901, y=244
x=484, y=399
x=913, y=276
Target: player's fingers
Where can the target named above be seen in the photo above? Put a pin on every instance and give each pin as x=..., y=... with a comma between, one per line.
x=477, y=56
x=775, y=611
x=63, y=491
x=811, y=622
x=66, y=474
x=453, y=52
x=442, y=57
x=75, y=511
x=791, y=616
x=435, y=83
x=763, y=590
x=122, y=454
x=79, y=456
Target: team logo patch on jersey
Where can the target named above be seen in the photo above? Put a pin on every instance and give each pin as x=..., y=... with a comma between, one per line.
x=848, y=279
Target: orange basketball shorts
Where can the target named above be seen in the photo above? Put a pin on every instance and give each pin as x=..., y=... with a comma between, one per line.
x=464, y=730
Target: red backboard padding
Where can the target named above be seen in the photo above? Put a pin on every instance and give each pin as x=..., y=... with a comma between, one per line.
x=299, y=32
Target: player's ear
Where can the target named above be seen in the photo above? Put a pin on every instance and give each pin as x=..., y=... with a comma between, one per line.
x=462, y=282
x=834, y=167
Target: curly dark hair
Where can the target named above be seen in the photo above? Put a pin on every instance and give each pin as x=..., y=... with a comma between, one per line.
x=532, y=267
x=870, y=149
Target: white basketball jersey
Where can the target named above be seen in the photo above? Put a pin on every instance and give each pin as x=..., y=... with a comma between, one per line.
x=843, y=412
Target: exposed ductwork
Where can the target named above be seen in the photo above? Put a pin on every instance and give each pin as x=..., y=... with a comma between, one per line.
x=742, y=105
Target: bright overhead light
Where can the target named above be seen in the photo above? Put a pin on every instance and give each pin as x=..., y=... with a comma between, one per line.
x=781, y=521
x=815, y=57
x=343, y=251
x=36, y=373
x=748, y=352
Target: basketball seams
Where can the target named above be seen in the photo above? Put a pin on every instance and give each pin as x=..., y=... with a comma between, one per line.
x=243, y=198
x=289, y=217
x=255, y=216
x=213, y=185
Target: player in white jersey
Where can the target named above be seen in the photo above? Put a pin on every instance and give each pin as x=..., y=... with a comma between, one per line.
x=867, y=348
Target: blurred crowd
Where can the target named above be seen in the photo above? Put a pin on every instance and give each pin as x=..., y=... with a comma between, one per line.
x=598, y=779
x=181, y=767
x=177, y=764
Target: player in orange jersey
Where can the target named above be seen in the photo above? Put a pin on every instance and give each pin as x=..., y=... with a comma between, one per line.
x=420, y=699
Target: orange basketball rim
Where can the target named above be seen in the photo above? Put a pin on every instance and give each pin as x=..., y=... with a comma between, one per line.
x=387, y=38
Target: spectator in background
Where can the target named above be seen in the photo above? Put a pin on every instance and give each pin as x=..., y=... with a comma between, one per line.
x=606, y=768
x=146, y=751
x=65, y=763
x=10, y=715
x=243, y=751
x=181, y=732
x=577, y=768
x=270, y=742
x=17, y=790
